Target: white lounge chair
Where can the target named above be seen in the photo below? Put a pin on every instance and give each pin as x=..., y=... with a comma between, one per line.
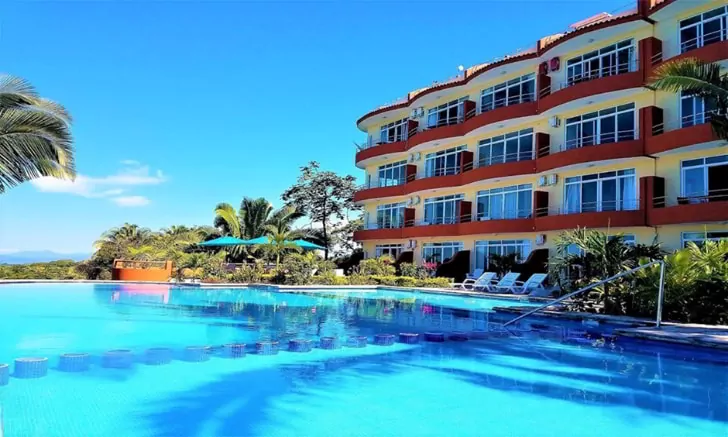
x=476, y=274
x=484, y=282
x=534, y=284
x=507, y=284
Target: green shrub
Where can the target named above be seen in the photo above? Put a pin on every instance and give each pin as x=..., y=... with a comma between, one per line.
x=299, y=268
x=406, y=281
x=329, y=278
x=381, y=266
x=248, y=273
x=413, y=271
x=435, y=283
x=359, y=279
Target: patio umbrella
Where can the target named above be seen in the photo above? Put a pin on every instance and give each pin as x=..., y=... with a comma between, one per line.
x=303, y=244
x=223, y=241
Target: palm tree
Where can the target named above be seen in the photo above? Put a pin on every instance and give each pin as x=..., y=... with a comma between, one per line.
x=128, y=234
x=251, y=219
x=694, y=77
x=280, y=241
x=35, y=135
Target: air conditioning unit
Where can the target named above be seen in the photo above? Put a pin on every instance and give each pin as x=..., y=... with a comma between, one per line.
x=541, y=181
x=412, y=244
x=410, y=202
x=412, y=157
x=540, y=239
x=553, y=179
x=415, y=200
x=417, y=156
x=420, y=111
x=554, y=121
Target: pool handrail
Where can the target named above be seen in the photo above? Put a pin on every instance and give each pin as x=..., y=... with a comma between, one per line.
x=660, y=295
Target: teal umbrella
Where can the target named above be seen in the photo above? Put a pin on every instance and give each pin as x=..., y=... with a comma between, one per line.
x=303, y=244
x=223, y=241
x=260, y=240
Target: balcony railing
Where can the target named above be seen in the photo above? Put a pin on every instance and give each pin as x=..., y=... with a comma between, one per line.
x=445, y=171
x=704, y=40
x=506, y=101
x=505, y=215
x=592, y=140
x=381, y=184
x=607, y=71
x=372, y=142
x=587, y=207
x=714, y=195
x=385, y=224
x=684, y=121
x=487, y=161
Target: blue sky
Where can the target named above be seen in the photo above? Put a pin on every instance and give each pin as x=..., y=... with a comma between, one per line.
x=181, y=105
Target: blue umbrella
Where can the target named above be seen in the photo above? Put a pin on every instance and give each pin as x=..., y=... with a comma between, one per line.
x=303, y=244
x=223, y=241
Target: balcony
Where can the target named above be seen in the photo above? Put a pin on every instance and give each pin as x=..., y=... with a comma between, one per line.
x=518, y=107
x=600, y=81
x=686, y=131
x=712, y=207
x=590, y=215
x=583, y=150
x=710, y=47
x=448, y=127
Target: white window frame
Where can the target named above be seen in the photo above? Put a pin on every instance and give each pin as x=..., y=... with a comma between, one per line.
x=389, y=182
x=525, y=246
x=700, y=114
x=455, y=199
x=456, y=247
x=392, y=217
x=501, y=192
x=701, y=237
x=718, y=160
x=611, y=52
x=721, y=16
x=521, y=155
x=509, y=99
x=596, y=117
x=448, y=119
x=432, y=170
x=400, y=131
x=619, y=202
x=390, y=249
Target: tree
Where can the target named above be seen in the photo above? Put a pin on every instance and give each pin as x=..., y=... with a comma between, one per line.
x=35, y=135
x=252, y=217
x=280, y=241
x=694, y=77
x=322, y=195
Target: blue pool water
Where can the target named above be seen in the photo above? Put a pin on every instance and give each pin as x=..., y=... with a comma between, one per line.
x=541, y=380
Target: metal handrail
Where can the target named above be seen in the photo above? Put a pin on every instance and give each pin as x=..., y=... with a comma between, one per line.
x=660, y=295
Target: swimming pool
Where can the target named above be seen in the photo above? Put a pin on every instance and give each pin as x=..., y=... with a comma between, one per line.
x=550, y=381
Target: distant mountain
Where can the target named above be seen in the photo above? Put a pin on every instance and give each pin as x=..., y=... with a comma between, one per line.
x=28, y=257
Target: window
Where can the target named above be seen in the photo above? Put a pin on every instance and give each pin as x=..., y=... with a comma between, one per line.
x=514, y=146
x=442, y=210
x=395, y=131
x=388, y=249
x=518, y=90
x=703, y=29
x=440, y=252
x=695, y=110
x=484, y=249
x=449, y=113
x=608, y=191
x=392, y=174
x=505, y=203
x=704, y=179
x=573, y=249
x=390, y=215
x=700, y=237
x=444, y=162
x=601, y=127
x=608, y=61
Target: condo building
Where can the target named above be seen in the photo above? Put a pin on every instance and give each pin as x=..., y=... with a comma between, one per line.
x=511, y=153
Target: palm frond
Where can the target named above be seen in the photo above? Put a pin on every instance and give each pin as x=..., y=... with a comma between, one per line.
x=226, y=218
x=691, y=76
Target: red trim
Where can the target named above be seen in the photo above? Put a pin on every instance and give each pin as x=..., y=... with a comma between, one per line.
x=675, y=139
x=382, y=149
x=591, y=88
x=614, y=219
x=457, y=229
x=692, y=213
x=504, y=113
x=380, y=192
x=659, y=6
x=715, y=52
x=601, y=152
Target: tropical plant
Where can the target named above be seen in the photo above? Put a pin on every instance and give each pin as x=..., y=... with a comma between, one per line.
x=695, y=77
x=502, y=264
x=35, y=135
x=382, y=266
x=584, y=256
x=322, y=196
x=280, y=242
x=252, y=217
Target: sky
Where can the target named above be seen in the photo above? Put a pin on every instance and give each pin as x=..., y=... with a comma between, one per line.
x=180, y=105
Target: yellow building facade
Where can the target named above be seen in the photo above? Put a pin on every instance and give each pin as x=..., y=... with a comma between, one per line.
x=511, y=153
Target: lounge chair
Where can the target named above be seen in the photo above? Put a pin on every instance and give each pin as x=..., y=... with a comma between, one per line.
x=475, y=275
x=534, y=284
x=484, y=282
x=507, y=284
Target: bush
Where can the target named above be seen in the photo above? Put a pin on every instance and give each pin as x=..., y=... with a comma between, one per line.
x=399, y=281
x=329, y=278
x=248, y=273
x=299, y=269
x=413, y=271
x=381, y=266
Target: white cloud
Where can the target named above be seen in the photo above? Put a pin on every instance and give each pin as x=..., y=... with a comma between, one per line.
x=130, y=201
x=133, y=175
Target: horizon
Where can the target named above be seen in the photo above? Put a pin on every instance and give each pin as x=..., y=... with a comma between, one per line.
x=150, y=147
